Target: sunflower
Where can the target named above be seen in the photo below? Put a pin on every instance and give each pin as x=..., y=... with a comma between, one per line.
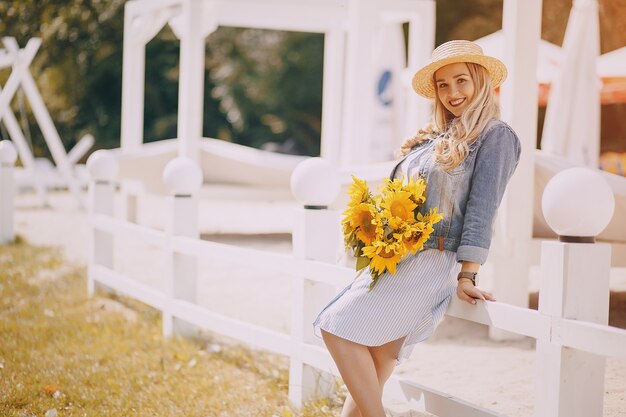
x=398, y=208
x=383, y=228
x=415, y=236
x=359, y=192
x=431, y=218
x=383, y=257
x=363, y=221
x=391, y=186
x=417, y=189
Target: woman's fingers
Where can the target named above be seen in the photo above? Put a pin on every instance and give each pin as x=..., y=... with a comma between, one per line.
x=489, y=296
x=470, y=294
x=463, y=294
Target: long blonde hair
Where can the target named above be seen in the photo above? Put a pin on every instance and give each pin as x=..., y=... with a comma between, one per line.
x=454, y=135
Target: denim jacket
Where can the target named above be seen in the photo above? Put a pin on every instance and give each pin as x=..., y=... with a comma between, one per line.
x=470, y=194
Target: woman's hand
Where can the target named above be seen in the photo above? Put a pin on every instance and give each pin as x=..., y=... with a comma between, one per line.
x=466, y=291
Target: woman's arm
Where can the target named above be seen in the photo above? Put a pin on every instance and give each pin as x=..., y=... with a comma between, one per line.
x=466, y=290
x=496, y=161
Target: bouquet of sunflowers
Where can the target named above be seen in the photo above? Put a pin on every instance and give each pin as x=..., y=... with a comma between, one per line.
x=382, y=229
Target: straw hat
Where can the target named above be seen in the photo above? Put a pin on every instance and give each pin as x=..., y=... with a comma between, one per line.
x=450, y=53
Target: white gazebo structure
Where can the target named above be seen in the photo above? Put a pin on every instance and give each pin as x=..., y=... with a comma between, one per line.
x=349, y=29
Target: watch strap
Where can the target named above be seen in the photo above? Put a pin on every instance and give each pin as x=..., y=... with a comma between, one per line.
x=469, y=275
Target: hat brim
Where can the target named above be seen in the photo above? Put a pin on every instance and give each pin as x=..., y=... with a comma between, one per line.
x=423, y=82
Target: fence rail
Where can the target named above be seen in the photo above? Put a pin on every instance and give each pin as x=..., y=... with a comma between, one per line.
x=561, y=322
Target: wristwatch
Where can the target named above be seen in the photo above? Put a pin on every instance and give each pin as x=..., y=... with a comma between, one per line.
x=472, y=276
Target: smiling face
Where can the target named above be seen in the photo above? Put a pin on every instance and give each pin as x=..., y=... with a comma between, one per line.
x=455, y=87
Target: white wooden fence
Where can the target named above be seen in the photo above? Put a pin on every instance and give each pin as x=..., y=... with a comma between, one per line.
x=8, y=156
x=570, y=327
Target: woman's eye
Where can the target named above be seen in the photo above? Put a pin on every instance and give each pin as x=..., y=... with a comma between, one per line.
x=461, y=80
x=442, y=85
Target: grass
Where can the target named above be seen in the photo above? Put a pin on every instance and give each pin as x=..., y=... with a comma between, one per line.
x=105, y=356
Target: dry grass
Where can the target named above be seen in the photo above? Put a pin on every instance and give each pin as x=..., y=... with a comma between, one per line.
x=105, y=356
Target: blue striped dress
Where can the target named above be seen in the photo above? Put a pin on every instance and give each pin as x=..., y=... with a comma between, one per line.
x=409, y=303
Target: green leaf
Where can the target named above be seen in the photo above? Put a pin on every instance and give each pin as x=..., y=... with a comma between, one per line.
x=362, y=262
x=358, y=251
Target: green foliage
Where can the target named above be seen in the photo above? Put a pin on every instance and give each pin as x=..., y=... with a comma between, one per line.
x=268, y=85
x=78, y=65
x=260, y=85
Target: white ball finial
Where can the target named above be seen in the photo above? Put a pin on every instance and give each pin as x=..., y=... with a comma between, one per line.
x=8, y=154
x=182, y=176
x=578, y=202
x=315, y=182
x=102, y=166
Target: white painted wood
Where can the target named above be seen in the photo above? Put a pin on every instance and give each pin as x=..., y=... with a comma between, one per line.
x=128, y=286
x=131, y=191
x=127, y=230
x=147, y=7
x=133, y=82
x=594, y=338
x=191, y=80
x=38, y=107
x=318, y=357
x=332, y=99
x=570, y=382
x=7, y=191
x=521, y=25
x=359, y=82
x=80, y=149
x=311, y=16
x=421, y=44
x=263, y=260
x=181, y=282
x=145, y=27
x=21, y=61
x=24, y=152
x=248, y=333
x=6, y=60
x=315, y=237
x=101, y=199
x=433, y=401
x=502, y=316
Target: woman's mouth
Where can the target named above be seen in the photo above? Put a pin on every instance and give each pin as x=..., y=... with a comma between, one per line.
x=457, y=102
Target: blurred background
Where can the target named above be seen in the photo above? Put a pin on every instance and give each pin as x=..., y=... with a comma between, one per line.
x=262, y=88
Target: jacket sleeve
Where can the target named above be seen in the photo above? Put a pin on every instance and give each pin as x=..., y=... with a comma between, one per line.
x=496, y=160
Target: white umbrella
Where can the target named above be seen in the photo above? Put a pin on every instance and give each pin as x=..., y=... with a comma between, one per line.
x=572, y=124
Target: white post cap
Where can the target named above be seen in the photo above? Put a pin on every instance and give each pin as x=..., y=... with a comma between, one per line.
x=102, y=166
x=578, y=202
x=315, y=182
x=8, y=154
x=182, y=176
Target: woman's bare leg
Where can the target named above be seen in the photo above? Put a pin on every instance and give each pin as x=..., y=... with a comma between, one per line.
x=356, y=366
x=385, y=358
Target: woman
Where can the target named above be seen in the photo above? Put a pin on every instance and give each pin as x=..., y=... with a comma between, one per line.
x=467, y=155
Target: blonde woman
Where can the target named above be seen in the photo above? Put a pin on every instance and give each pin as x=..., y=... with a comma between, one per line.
x=467, y=156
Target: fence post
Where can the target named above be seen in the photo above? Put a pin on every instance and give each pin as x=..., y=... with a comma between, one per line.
x=315, y=184
x=8, y=156
x=103, y=169
x=577, y=204
x=182, y=178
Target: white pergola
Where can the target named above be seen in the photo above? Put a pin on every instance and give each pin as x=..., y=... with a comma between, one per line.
x=349, y=27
